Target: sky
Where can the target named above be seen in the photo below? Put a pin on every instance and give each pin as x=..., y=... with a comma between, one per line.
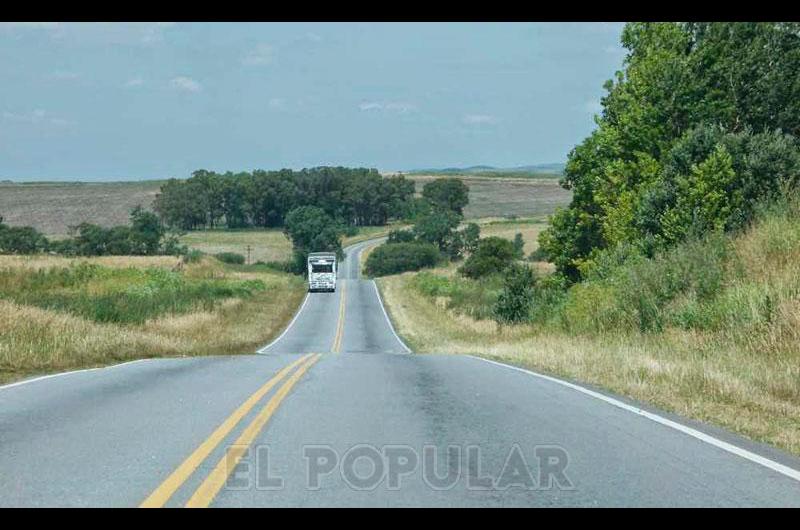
x=126, y=101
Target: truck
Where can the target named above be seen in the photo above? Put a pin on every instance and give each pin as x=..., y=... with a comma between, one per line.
x=322, y=268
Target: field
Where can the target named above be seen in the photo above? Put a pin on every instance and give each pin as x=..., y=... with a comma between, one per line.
x=52, y=207
x=59, y=313
x=731, y=360
x=504, y=197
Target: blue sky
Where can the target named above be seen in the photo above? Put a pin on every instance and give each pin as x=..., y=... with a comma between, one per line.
x=94, y=101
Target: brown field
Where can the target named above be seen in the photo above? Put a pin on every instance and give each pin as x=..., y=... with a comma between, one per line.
x=52, y=207
x=504, y=197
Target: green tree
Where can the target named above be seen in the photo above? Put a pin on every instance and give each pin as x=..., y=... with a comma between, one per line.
x=492, y=255
x=447, y=193
x=146, y=232
x=436, y=226
x=312, y=230
x=516, y=299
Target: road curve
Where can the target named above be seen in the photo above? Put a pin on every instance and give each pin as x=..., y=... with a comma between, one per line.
x=360, y=424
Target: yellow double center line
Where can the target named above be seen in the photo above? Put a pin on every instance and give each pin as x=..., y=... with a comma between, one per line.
x=337, y=340
x=216, y=480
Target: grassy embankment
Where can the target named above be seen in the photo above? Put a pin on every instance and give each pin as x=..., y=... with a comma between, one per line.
x=60, y=313
x=709, y=330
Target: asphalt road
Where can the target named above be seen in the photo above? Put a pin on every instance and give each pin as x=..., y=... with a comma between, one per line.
x=337, y=413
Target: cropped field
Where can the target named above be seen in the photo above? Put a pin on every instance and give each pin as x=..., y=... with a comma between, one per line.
x=53, y=206
x=59, y=314
x=504, y=197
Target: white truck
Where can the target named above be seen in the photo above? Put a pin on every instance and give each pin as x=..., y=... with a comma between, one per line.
x=322, y=271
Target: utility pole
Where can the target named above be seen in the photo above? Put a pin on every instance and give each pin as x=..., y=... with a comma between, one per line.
x=248, y=254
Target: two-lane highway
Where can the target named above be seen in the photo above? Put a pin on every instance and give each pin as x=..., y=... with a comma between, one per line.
x=335, y=412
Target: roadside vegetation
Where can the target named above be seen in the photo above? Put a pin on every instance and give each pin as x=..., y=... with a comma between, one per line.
x=672, y=274
x=59, y=313
x=709, y=329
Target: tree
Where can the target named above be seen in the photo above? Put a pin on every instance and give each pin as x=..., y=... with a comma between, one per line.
x=516, y=299
x=146, y=232
x=436, y=226
x=519, y=246
x=312, y=230
x=684, y=90
x=21, y=239
x=492, y=255
x=447, y=193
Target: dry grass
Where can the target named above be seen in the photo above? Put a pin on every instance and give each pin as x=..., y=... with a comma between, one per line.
x=509, y=229
x=699, y=375
x=266, y=245
x=44, y=261
x=34, y=340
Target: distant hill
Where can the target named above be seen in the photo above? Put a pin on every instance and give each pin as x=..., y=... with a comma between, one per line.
x=536, y=170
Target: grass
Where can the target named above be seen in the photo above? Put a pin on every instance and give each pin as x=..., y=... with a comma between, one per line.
x=721, y=340
x=59, y=314
x=265, y=244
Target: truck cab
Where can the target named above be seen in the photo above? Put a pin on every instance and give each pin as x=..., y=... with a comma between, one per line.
x=322, y=267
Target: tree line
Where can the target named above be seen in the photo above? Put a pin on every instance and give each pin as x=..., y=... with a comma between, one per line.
x=351, y=196
x=699, y=127
x=144, y=236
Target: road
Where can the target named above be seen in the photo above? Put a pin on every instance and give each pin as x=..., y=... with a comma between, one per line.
x=336, y=412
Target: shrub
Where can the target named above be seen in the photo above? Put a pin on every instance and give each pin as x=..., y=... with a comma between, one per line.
x=519, y=246
x=401, y=257
x=400, y=236
x=516, y=299
x=492, y=255
x=21, y=240
x=230, y=257
x=192, y=256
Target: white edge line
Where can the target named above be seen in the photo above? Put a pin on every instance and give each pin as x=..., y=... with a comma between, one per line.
x=703, y=437
x=389, y=320
x=60, y=374
x=268, y=346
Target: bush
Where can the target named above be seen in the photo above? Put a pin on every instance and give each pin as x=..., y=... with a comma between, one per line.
x=516, y=299
x=401, y=257
x=21, y=240
x=400, y=236
x=492, y=255
x=193, y=256
x=230, y=257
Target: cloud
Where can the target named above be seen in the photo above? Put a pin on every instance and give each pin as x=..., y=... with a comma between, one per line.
x=34, y=117
x=397, y=107
x=260, y=55
x=478, y=119
x=185, y=83
x=135, y=82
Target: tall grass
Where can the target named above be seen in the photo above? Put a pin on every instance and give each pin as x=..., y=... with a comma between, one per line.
x=77, y=313
x=123, y=296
